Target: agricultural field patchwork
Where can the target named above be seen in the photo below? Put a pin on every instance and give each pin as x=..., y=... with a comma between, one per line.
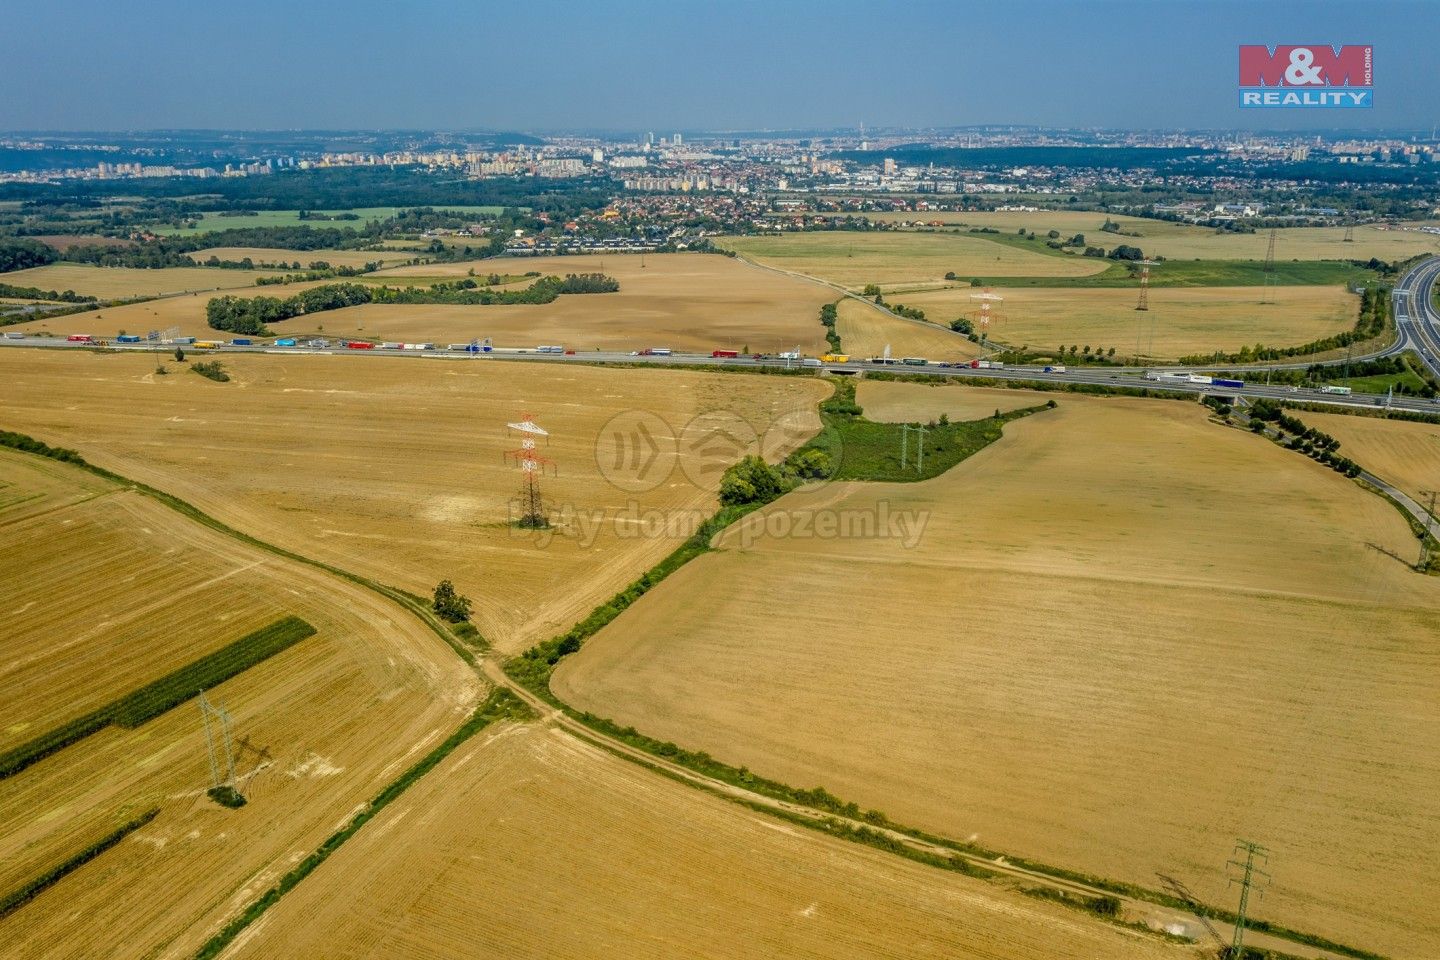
x=1062, y=616
x=609, y=859
x=397, y=468
x=1183, y=241
x=126, y=282
x=120, y=592
x=853, y=259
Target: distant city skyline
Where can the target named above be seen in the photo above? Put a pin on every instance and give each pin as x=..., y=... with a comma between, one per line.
x=548, y=66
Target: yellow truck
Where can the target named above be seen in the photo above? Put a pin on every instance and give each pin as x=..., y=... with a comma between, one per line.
x=835, y=358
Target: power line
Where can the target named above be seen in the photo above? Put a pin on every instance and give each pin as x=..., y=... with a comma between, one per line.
x=1252, y=877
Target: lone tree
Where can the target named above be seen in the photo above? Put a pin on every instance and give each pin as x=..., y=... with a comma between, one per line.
x=179, y=355
x=451, y=605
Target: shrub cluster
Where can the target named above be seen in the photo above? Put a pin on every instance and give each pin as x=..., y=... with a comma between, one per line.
x=828, y=314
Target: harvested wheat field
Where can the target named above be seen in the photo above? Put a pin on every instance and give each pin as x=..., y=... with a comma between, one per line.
x=1404, y=454
x=286, y=258
x=1176, y=627
x=866, y=331
x=856, y=259
x=1185, y=241
x=685, y=301
x=185, y=314
x=528, y=843
x=122, y=590
x=395, y=467
x=1181, y=320
x=124, y=282
x=138, y=594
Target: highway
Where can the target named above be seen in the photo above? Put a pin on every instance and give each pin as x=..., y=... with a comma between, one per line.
x=1416, y=320
x=1417, y=325
x=1101, y=376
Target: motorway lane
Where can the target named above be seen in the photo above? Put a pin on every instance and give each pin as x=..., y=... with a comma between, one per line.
x=1103, y=376
x=1415, y=316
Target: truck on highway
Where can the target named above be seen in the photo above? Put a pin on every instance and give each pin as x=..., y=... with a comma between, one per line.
x=1054, y=368
x=80, y=338
x=727, y=354
x=884, y=360
x=983, y=365
x=359, y=345
x=206, y=344
x=285, y=342
x=835, y=357
x=1226, y=382
x=810, y=362
x=127, y=338
x=914, y=361
x=652, y=352
x=1330, y=388
x=241, y=341
x=14, y=335
x=392, y=345
x=1200, y=378
x=550, y=349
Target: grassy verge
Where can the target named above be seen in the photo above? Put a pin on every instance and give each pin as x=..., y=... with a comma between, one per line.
x=1041, y=386
x=500, y=705
x=860, y=449
x=16, y=899
x=153, y=699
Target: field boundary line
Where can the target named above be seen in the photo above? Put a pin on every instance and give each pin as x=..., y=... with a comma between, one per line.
x=17, y=898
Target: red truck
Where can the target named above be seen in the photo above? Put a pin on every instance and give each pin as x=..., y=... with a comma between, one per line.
x=724, y=353
x=360, y=345
x=80, y=338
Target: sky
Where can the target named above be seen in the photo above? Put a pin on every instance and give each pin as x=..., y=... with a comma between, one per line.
x=549, y=65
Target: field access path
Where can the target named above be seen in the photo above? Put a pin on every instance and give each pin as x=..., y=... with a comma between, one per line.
x=491, y=669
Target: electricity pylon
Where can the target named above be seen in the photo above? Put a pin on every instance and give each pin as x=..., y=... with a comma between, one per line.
x=1252, y=877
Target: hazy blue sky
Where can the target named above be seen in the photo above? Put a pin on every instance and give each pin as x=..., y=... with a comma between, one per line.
x=739, y=64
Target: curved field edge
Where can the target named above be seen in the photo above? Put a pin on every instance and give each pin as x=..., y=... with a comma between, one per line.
x=507, y=706
x=534, y=669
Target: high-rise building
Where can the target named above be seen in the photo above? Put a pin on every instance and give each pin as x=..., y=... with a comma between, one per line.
x=889, y=166
x=677, y=139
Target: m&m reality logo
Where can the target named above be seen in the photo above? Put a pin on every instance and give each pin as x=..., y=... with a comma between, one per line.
x=1307, y=75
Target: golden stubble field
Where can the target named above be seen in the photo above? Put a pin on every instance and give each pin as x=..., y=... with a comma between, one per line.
x=1123, y=638
x=1402, y=453
x=856, y=259
x=186, y=314
x=1183, y=241
x=866, y=331
x=394, y=467
x=1181, y=320
x=527, y=843
x=122, y=282
x=685, y=301
x=132, y=589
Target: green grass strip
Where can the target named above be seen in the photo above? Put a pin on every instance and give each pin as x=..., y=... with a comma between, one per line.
x=16, y=899
x=500, y=705
x=155, y=698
